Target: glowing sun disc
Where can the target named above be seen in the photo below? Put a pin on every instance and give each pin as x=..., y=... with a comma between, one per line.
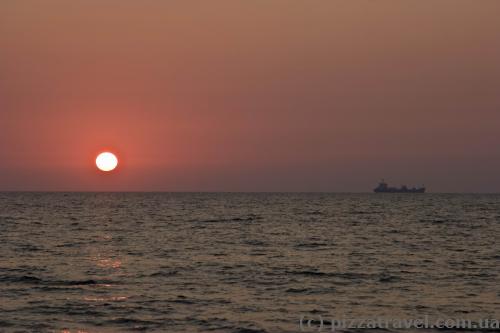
x=106, y=161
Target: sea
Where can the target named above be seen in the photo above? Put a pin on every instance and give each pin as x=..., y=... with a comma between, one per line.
x=248, y=262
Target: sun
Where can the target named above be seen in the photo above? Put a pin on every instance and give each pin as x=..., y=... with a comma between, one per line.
x=106, y=161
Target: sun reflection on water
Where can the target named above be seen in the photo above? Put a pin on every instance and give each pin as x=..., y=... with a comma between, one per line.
x=109, y=263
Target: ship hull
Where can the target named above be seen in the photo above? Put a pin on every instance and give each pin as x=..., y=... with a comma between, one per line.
x=397, y=190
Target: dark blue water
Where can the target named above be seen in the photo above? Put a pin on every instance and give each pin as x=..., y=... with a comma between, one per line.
x=99, y=262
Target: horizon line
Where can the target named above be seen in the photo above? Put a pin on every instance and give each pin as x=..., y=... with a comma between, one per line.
x=233, y=192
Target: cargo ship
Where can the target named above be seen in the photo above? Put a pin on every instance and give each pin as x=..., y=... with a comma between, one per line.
x=383, y=187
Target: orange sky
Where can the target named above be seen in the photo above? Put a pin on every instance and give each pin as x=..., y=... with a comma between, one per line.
x=260, y=95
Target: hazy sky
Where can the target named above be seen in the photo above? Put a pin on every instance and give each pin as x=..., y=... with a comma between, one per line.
x=255, y=95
